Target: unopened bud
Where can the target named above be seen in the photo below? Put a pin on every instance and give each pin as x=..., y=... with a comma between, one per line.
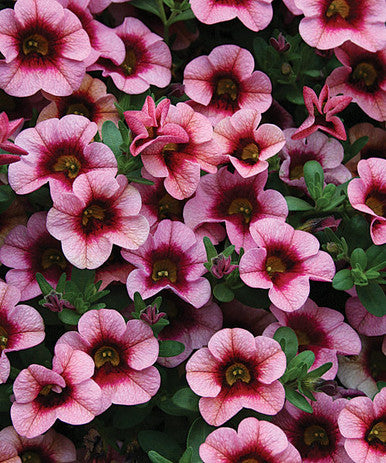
x=221, y=266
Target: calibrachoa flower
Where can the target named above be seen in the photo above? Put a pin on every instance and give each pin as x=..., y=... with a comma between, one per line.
x=170, y=259
x=97, y=6
x=101, y=211
x=51, y=447
x=315, y=147
x=7, y=129
x=66, y=393
x=362, y=320
x=315, y=435
x=367, y=194
x=237, y=371
x=238, y=315
x=254, y=14
x=44, y=46
x=224, y=81
x=246, y=145
x=31, y=249
x=123, y=354
x=59, y=150
x=284, y=262
x=321, y=114
x=363, y=423
x=239, y=202
x=320, y=330
x=90, y=100
x=363, y=77
x=253, y=442
x=115, y=269
x=147, y=61
x=21, y=326
x=328, y=24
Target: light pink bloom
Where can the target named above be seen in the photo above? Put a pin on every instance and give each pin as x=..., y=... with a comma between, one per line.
x=97, y=6
x=147, y=62
x=66, y=393
x=193, y=327
x=90, y=100
x=44, y=47
x=315, y=147
x=21, y=326
x=246, y=145
x=254, y=14
x=224, y=81
x=123, y=354
x=239, y=202
x=362, y=423
x=367, y=194
x=362, y=320
x=52, y=447
x=7, y=129
x=321, y=113
x=59, y=150
x=29, y=250
x=237, y=371
x=104, y=41
x=170, y=259
x=363, y=77
x=101, y=211
x=329, y=23
x=290, y=4
x=254, y=441
x=284, y=262
x=315, y=435
x=320, y=330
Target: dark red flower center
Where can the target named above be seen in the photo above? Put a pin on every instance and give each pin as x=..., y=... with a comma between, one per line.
x=237, y=372
x=35, y=43
x=376, y=201
x=315, y=435
x=106, y=354
x=52, y=256
x=247, y=151
x=241, y=206
x=129, y=64
x=377, y=434
x=338, y=8
x=366, y=73
x=227, y=87
x=93, y=215
x=3, y=338
x=30, y=457
x=79, y=109
x=170, y=208
x=274, y=265
x=164, y=268
x=251, y=460
x=69, y=164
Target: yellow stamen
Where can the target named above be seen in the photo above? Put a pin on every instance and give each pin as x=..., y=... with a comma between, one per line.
x=93, y=212
x=366, y=73
x=237, y=372
x=274, y=264
x=106, y=354
x=35, y=43
x=338, y=7
x=315, y=435
x=52, y=257
x=241, y=206
x=227, y=87
x=69, y=164
x=164, y=268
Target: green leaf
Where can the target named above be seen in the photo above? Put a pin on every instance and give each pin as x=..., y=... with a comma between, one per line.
x=169, y=3
x=306, y=358
x=38, y=354
x=198, y=432
x=69, y=317
x=111, y=136
x=297, y=204
x=314, y=178
x=155, y=457
x=139, y=303
x=128, y=417
x=211, y=251
x=373, y=298
x=45, y=287
x=358, y=257
x=170, y=348
x=343, y=280
x=187, y=456
x=183, y=16
x=187, y=399
x=376, y=256
x=298, y=400
x=318, y=372
x=5, y=397
x=286, y=337
x=223, y=293
x=82, y=278
x=160, y=442
x=147, y=5
x=228, y=251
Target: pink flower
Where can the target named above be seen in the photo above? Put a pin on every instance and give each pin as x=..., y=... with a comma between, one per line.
x=21, y=326
x=254, y=14
x=7, y=129
x=44, y=47
x=315, y=147
x=280, y=44
x=363, y=77
x=362, y=320
x=59, y=151
x=29, y=250
x=329, y=23
x=223, y=82
x=239, y=202
x=147, y=61
x=90, y=100
x=66, y=393
x=362, y=423
x=246, y=145
x=115, y=270
x=316, y=436
x=173, y=259
x=123, y=355
x=284, y=262
x=321, y=113
x=238, y=315
x=101, y=211
x=254, y=441
x=151, y=316
x=222, y=266
x=97, y=6
x=52, y=447
x=189, y=325
x=320, y=330
x=237, y=371
x=367, y=194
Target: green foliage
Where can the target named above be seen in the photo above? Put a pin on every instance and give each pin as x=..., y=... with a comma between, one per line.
x=170, y=348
